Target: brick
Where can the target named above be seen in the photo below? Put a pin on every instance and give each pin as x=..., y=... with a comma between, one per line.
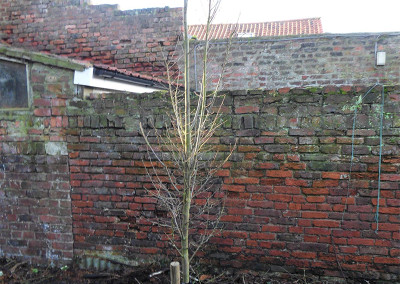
x=50, y=219
x=266, y=166
x=257, y=173
x=280, y=197
x=248, y=133
x=149, y=250
x=326, y=223
x=390, y=177
x=114, y=170
x=301, y=254
x=221, y=241
x=301, y=132
x=315, y=199
x=145, y=200
x=357, y=150
x=358, y=241
x=234, y=188
x=260, y=204
x=92, y=183
x=287, y=189
x=42, y=102
x=334, y=175
x=231, y=218
x=272, y=181
x=239, y=211
x=248, y=149
x=247, y=109
x=222, y=173
x=231, y=249
x=262, y=236
x=387, y=227
x=317, y=231
x=247, y=180
x=293, y=166
x=279, y=173
x=395, y=252
x=286, y=140
x=306, y=149
x=42, y=112
x=297, y=182
x=314, y=215
x=349, y=140
x=82, y=203
x=235, y=234
x=264, y=140
x=315, y=191
x=325, y=183
x=387, y=260
x=354, y=267
x=272, y=228
x=308, y=140
x=283, y=91
x=373, y=250
x=277, y=148
x=327, y=140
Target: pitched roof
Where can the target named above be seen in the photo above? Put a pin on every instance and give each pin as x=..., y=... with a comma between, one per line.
x=278, y=28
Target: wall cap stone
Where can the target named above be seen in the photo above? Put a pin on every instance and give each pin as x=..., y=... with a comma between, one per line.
x=46, y=59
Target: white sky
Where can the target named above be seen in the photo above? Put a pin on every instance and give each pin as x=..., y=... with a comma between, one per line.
x=338, y=16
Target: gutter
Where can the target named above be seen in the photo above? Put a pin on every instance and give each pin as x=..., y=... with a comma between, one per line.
x=110, y=74
x=100, y=78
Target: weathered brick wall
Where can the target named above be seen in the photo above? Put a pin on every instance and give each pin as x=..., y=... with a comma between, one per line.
x=136, y=40
x=110, y=206
x=291, y=201
x=299, y=62
x=35, y=204
x=140, y=41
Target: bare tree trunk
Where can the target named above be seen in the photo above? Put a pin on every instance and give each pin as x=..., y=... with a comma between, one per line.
x=185, y=229
x=188, y=154
x=186, y=139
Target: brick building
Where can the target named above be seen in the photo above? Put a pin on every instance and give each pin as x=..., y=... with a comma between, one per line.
x=301, y=189
x=38, y=96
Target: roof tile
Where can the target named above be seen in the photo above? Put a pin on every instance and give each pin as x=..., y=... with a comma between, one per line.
x=277, y=28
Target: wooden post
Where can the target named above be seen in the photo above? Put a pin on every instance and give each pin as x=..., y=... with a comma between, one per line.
x=175, y=273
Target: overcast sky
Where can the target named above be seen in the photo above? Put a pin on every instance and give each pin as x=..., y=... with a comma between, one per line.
x=338, y=16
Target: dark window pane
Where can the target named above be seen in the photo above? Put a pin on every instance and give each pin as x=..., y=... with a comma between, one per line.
x=13, y=85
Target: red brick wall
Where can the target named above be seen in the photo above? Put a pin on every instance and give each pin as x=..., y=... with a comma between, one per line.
x=140, y=41
x=35, y=204
x=136, y=40
x=287, y=185
x=320, y=60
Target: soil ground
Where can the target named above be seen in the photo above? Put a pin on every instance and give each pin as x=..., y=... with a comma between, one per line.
x=15, y=271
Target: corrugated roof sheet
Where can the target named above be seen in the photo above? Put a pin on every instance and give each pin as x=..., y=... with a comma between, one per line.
x=278, y=28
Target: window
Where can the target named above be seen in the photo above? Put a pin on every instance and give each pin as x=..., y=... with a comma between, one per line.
x=13, y=85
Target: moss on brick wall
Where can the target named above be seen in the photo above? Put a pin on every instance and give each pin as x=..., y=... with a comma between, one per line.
x=290, y=199
x=312, y=61
x=136, y=40
x=35, y=204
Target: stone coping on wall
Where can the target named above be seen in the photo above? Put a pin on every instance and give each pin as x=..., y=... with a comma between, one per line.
x=46, y=59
